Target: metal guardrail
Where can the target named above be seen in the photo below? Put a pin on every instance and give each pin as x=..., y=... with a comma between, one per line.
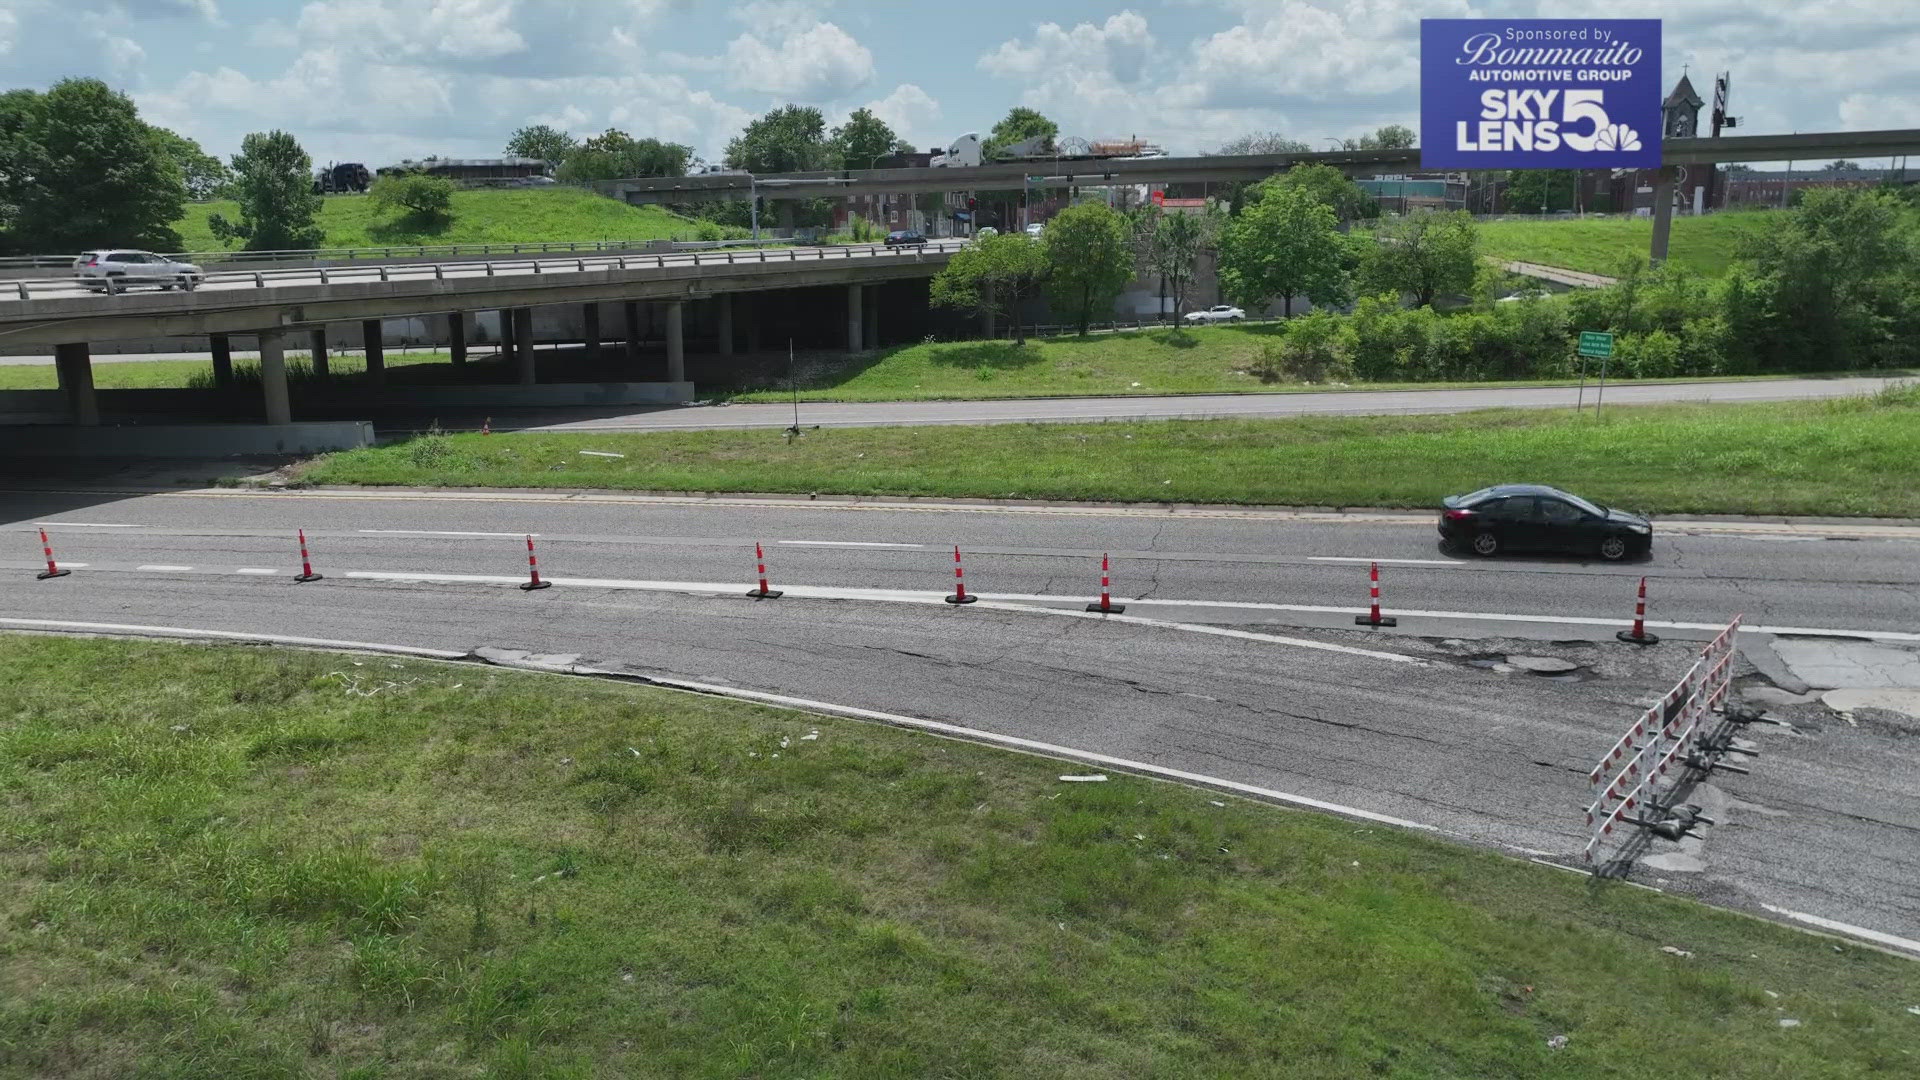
x=24, y=288
x=391, y=251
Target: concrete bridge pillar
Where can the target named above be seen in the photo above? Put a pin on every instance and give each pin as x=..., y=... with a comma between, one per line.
x=725, y=302
x=523, y=344
x=73, y=367
x=318, y=347
x=631, y=310
x=870, y=334
x=457, y=337
x=676, y=347
x=855, y=320
x=506, y=334
x=273, y=376
x=751, y=316
x=376, y=352
x=1662, y=214
x=590, y=319
x=222, y=350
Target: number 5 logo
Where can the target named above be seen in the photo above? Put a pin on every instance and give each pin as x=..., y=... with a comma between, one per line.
x=1580, y=105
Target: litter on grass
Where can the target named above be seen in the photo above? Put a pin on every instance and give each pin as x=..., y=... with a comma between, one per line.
x=600, y=453
x=1091, y=779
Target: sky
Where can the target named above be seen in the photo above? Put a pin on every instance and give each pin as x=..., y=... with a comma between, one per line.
x=376, y=81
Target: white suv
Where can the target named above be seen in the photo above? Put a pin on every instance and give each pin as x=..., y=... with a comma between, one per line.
x=113, y=270
x=1216, y=313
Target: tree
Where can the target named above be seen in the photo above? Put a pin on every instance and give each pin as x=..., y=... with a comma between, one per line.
x=542, y=141
x=1325, y=185
x=1089, y=258
x=1843, y=165
x=1173, y=244
x=1019, y=125
x=993, y=275
x=1839, y=279
x=1263, y=142
x=788, y=139
x=81, y=170
x=427, y=198
x=1537, y=191
x=1283, y=246
x=614, y=155
x=1427, y=253
x=864, y=138
x=205, y=176
x=273, y=184
x=1391, y=137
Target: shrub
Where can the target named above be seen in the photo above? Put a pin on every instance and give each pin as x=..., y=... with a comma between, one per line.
x=415, y=193
x=1314, y=349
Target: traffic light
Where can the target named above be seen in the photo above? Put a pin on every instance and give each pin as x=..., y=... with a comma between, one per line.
x=972, y=203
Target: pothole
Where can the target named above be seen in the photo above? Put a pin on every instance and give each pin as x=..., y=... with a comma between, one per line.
x=1546, y=667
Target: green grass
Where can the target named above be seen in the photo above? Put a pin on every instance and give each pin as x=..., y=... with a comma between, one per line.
x=480, y=216
x=234, y=862
x=1704, y=245
x=1856, y=456
x=177, y=374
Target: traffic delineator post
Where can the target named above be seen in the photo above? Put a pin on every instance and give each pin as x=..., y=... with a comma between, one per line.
x=760, y=562
x=533, y=571
x=306, y=564
x=1106, y=606
x=1373, y=616
x=486, y=426
x=1638, y=635
x=959, y=582
x=53, y=569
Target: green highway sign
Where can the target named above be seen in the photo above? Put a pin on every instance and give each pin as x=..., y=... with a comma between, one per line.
x=1595, y=343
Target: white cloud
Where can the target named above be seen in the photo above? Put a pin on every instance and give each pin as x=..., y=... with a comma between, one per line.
x=1870, y=112
x=817, y=63
x=9, y=25
x=402, y=30
x=1117, y=49
x=912, y=113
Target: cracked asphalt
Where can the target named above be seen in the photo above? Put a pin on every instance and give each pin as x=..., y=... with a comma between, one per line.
x=1828, y=823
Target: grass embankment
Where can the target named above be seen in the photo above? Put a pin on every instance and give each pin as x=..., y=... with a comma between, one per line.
x=1845, y=456
x=480, y=216
x=233, y=862
x=1704, y=245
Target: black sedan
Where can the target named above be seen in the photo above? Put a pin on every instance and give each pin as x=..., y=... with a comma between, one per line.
x=905, y=238
x=1532, y=517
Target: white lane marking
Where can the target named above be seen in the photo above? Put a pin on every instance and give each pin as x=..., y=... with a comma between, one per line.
x=228, y=635
x=255, y=570
x=1216, y=631
x=85, y=525
x=1878, y=936
x=163, y=569
x=846, y=543
x=439, y=532
x=1399, y=562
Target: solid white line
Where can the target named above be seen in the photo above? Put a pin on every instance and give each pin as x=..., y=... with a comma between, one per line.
x=1397, y=562
x=846, y=543
x=254, y=570
x=85, y=525
x=163, y=569
x=1878, y=936
x=440, y=532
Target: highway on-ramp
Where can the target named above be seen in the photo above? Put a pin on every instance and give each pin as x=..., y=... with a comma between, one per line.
x=1236, y=657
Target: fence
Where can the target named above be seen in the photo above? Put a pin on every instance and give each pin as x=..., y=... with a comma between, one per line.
x=1631, y=780
x=392, y=251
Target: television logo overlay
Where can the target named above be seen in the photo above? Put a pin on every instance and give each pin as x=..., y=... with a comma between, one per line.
x=1540, y=93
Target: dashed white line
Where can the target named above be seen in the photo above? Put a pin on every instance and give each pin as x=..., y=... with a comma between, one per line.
x=157, y=568
x=846, y=544
x=440, y=532
x=85, y=525
x=1396, y=562
x=255, y=570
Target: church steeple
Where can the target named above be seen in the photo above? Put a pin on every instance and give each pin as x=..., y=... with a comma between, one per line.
x=1680, y=113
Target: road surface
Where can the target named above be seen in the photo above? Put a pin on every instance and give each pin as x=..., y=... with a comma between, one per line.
x=1236, y=658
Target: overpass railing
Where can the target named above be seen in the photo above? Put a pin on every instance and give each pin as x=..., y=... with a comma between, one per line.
x=28, y=288
x=395, y=251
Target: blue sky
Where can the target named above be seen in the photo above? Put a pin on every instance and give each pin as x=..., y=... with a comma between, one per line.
x=378, y=80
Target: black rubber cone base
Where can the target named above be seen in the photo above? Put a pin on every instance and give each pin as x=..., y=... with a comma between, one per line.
x=529, y=586
x=1630, y=638
x=45, y=574
x=308, y=577
x=1110, y=609
x=764, y=594
x=968, y=599
x=1368, y=620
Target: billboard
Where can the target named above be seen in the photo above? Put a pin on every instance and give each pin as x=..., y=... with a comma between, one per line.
x=1540, y=93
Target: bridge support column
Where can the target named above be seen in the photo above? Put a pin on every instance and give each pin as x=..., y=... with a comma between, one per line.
x=725, y=302
x=870, y=334
x=676, y=347
x=523, y=343
x=73, y=367
x=631, y=310
x=376, y=352
x=506, y=334
x=457, y=337
x=318, y=346
x=590, y=318
x=1662, y=214
x=222, y=350
x=751, y=316
x=273, y=376
x=855, y=319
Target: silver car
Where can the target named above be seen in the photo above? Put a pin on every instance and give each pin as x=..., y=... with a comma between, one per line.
x=112, y=270
x=1216, y=313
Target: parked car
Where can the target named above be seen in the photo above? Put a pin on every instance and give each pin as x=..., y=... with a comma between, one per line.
x=905, y=238
x=1216, y=313
x=1034, y=230
x=112, y=270
x=1533, y=517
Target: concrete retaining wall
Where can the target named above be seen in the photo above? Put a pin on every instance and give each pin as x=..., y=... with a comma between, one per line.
x=185, y=440
x=539, y=396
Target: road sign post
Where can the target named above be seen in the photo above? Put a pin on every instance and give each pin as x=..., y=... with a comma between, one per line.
x=1593, y=343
